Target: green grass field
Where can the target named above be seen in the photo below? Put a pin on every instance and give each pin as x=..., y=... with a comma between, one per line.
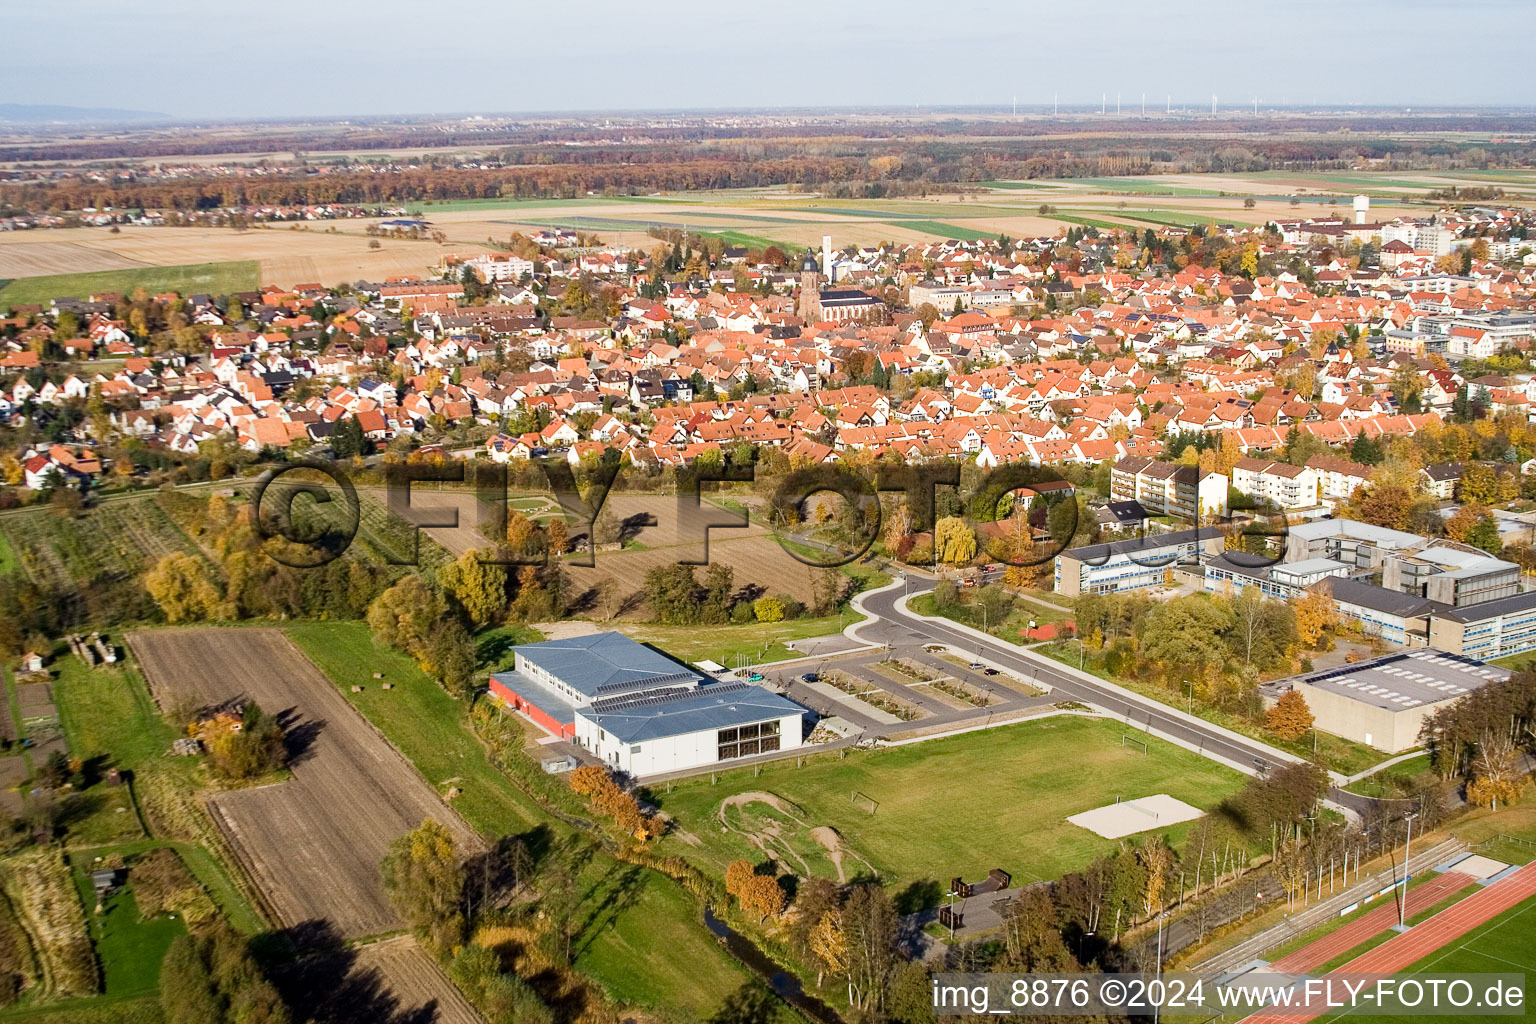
x=943, y=230
x=8, y=560
x=642, y=937
x=192, y=278
x=128, y=949
x=959, y=805
x=1337, y=753
x=421, y=720
x=759, y=642
x=1395, y=781
x=139, y=1009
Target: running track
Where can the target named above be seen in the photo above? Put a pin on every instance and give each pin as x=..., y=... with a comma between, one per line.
x=1408, y=948
x=1364, y=928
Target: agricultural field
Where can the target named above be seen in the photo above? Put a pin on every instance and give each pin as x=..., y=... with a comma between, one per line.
x=115, y=540
x=614, y=587
x=641, y=937
x=278, y=255
x=420, y=719
x=391, y=980
x=107, y=714
x=312, y=844
x=78, y=260
x=961, y=805
x=192, y=279
x=128, y=947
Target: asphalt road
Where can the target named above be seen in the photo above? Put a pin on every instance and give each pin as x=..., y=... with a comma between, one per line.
x=891, y=625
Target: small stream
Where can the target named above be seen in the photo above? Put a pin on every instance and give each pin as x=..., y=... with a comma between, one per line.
x=784, y=984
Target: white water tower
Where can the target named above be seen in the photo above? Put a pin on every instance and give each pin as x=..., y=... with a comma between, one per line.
x=826, y=257
x=1362, y=208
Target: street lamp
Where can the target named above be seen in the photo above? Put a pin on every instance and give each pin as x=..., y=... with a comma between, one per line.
x=1402, y=904
x=1190, y=707
x=1080, y=649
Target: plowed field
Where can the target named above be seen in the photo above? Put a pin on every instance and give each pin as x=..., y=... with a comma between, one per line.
x=312, y=844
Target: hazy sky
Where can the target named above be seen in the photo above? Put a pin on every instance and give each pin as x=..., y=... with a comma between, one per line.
x=191, y=58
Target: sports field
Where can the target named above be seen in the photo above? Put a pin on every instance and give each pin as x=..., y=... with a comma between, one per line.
x=1506, y=944
x=961, y=805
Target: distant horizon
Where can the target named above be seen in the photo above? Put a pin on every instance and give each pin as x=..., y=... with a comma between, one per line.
x=388, y=58
x=1075, y=110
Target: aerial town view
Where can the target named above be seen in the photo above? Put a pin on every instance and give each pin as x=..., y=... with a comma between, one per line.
x=778, y=516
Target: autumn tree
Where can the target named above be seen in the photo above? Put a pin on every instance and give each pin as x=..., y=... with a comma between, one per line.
x=1316, y=613
x=737, y=872
x=423, y=879
x=953, y=541
x=763, y=896
x=1289, y=717
x=600, y=788
x=478, y=586
x=829, y=945
x=1496, y=775
x=179, y=584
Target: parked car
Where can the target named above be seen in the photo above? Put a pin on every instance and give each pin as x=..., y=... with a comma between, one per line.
x=989, y=671
x=755, y=677
x=969, y=581
x=975, y=666
x=809, y=677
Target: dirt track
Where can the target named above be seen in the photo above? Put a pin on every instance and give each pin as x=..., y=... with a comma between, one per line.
x=312, y=844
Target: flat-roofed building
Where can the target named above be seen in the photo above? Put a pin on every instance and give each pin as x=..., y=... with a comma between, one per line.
x=639, y=711
x=1451, y=573
x=1396, y=617
x=1383, y=702
x=1132, y=564
x=1357, y=544
x=1287, y=580
x=1487, y=630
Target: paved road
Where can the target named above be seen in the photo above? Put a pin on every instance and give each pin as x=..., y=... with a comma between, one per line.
x=893, y=625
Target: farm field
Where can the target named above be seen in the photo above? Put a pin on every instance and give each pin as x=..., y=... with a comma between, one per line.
x=276, y=255
x=190, y=279
x=641, y=938
x=614, y=587
x=756, y=217
x=1011, y=815
x=390, y=980
x=420, y=719
x=312, y=844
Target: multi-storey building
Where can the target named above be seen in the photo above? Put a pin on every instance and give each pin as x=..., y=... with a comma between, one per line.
x=1284, y=486
x=1169, y=489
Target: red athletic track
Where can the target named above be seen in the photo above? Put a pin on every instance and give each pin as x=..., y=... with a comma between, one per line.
x=1362, y=929
x=1401, y=951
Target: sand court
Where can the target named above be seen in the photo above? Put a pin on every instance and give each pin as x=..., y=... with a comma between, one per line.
x=1127, y=817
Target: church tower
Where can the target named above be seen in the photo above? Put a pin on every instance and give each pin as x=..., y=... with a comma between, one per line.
x=810, y=288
